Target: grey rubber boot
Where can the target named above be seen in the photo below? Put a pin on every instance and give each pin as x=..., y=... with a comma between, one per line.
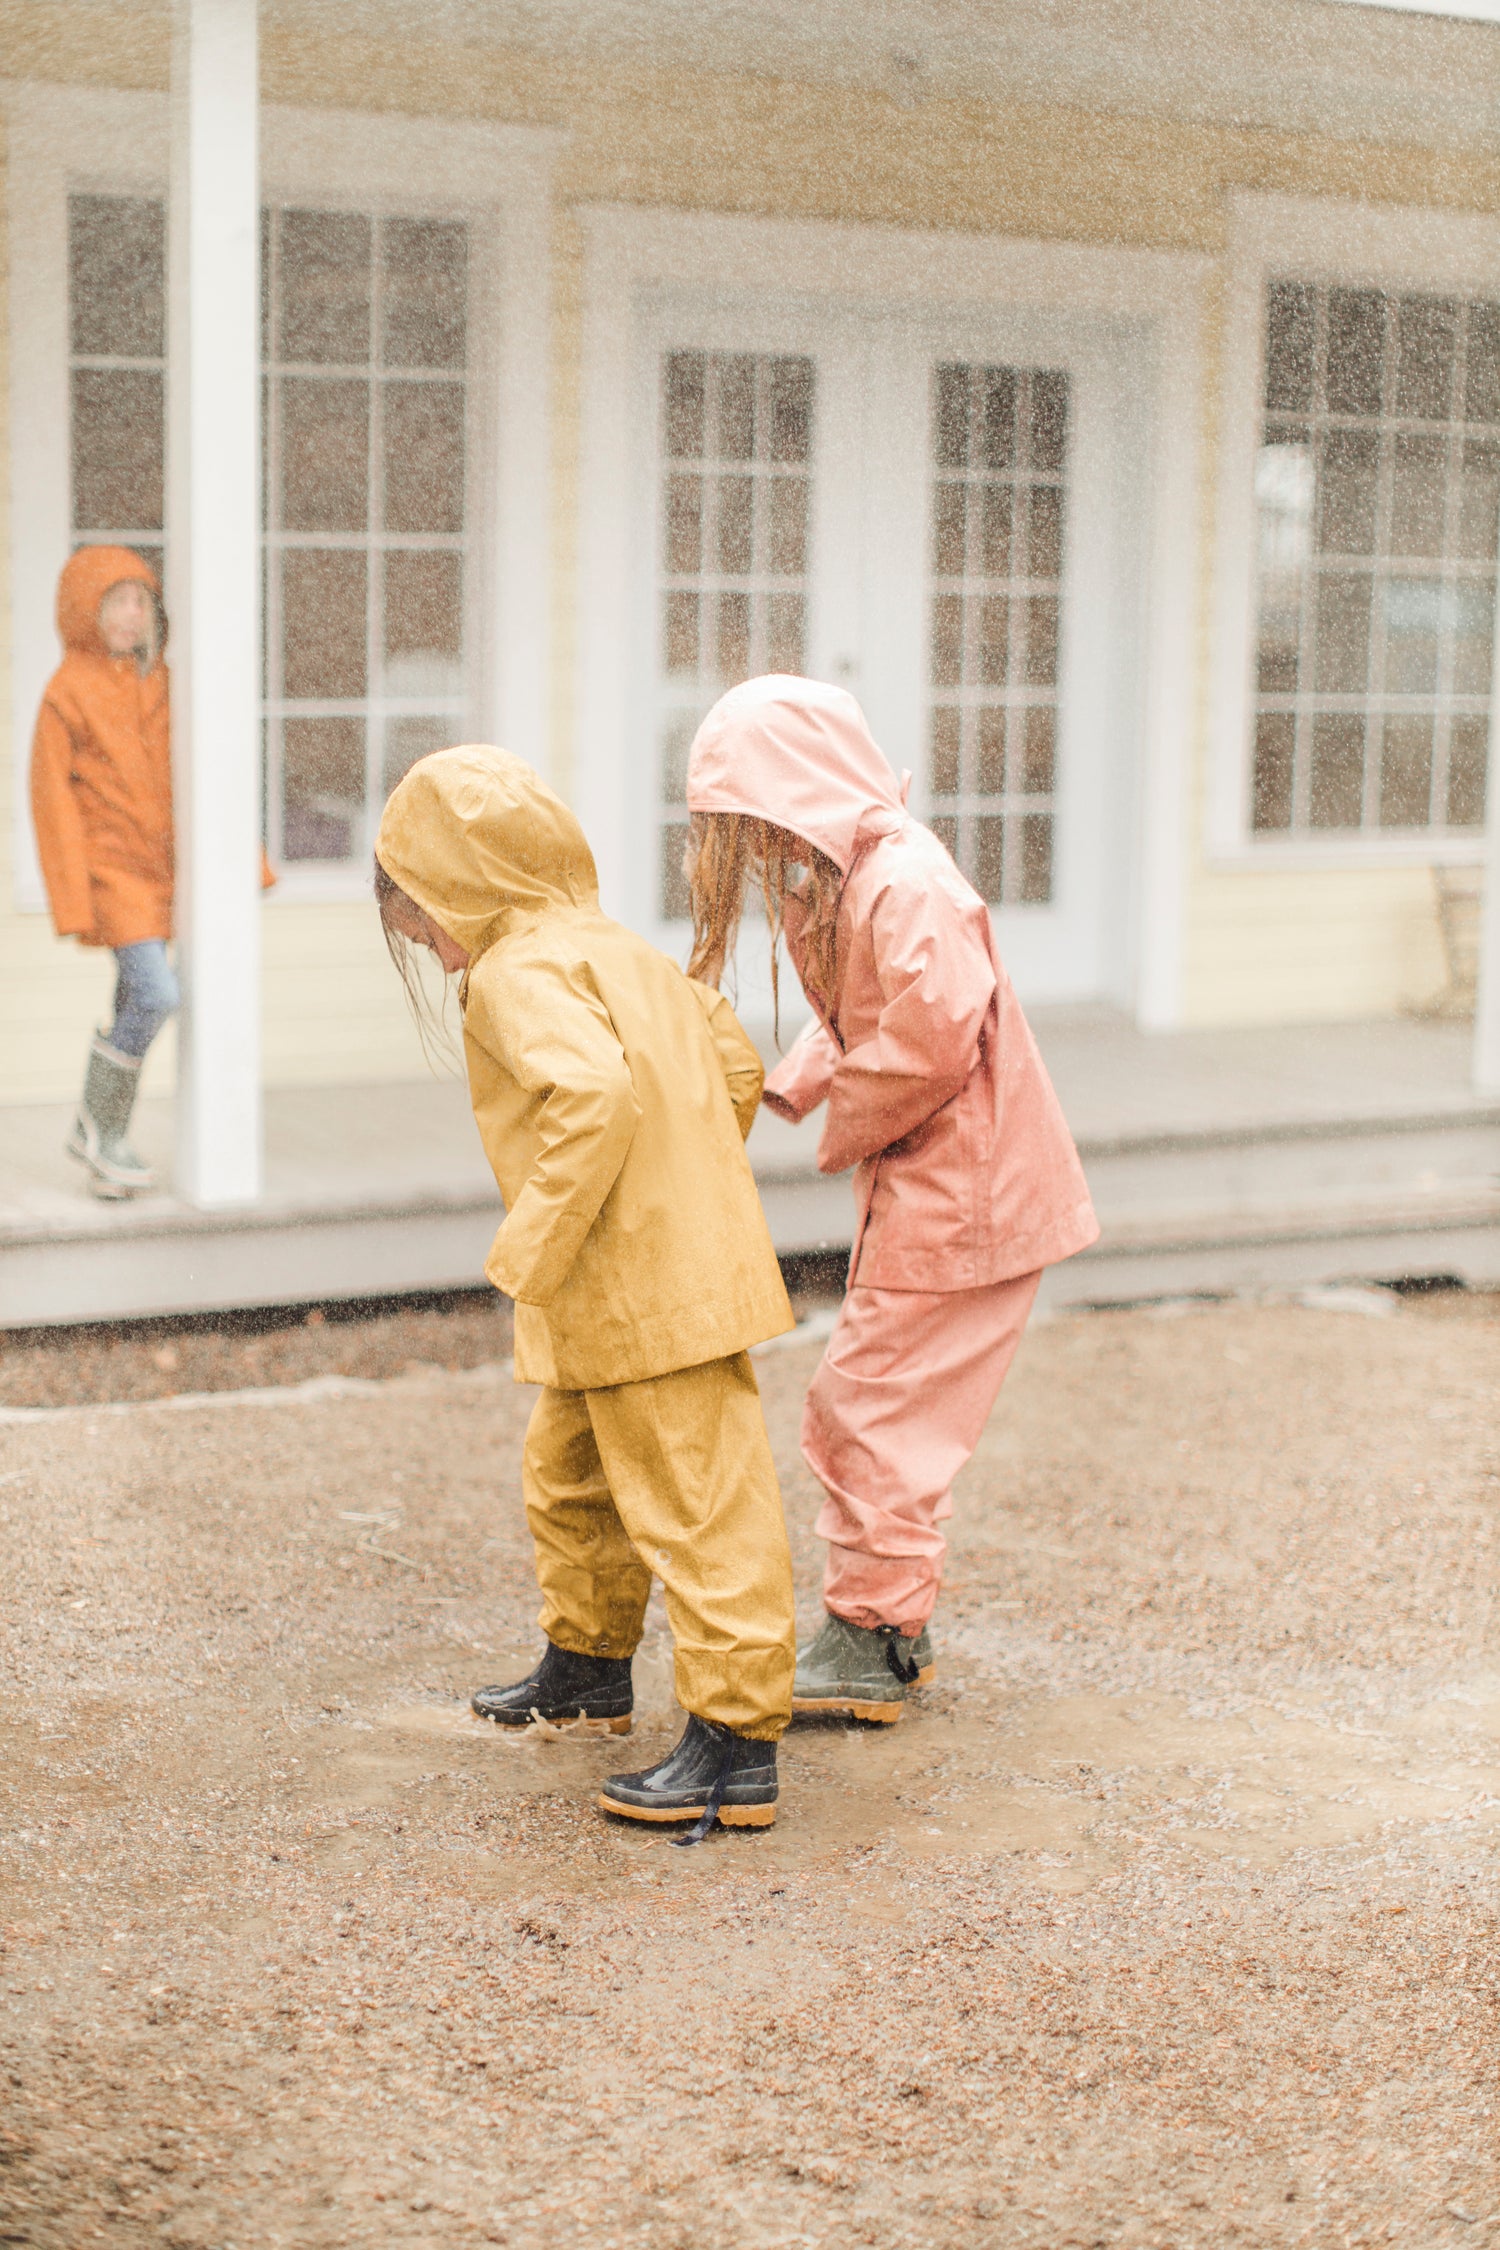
x=98, y=1135
x=860, y=1670
x=921, y=1655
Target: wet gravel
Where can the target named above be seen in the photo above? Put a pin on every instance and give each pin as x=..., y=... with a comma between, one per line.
x=1167, y=1917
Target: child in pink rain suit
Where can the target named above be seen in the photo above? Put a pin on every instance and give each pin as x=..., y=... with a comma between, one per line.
x=967, y=1182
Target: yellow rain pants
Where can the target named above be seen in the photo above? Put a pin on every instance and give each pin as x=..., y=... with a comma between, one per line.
x=672, y=1476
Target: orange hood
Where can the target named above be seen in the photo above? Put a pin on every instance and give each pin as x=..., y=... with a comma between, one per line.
x=86, y=579
x=799, y=754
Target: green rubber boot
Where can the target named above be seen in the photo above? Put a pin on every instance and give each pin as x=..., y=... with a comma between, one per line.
x=921, y=1655
x=98, y=1135
x=862, y=1671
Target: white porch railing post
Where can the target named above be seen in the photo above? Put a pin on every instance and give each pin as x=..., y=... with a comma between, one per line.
x=213, y=572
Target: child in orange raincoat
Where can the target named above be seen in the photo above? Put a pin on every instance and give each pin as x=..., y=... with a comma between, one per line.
x=101, y=802
x=967, y=1182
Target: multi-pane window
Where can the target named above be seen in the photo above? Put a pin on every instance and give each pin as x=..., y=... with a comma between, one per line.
x=999, y=505
x=117, y=323
x=737, y=462
x=365, y=343
x=1378, y=501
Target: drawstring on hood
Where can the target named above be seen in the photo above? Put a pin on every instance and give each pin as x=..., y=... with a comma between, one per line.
x=472, y=833
x=799, y=754
x=86, y=578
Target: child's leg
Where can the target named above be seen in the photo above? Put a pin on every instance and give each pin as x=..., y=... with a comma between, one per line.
x=893, y=1412
x=690, y=1467
x=594, y=1587
x=146, y=994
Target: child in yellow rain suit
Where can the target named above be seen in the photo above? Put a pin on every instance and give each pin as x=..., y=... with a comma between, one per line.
x=612, y=1096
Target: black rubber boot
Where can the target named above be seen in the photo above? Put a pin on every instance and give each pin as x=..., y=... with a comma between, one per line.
x=712, y=1774
x=563, y=1686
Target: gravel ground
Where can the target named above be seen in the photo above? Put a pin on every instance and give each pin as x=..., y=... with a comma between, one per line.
x=1166, y=1917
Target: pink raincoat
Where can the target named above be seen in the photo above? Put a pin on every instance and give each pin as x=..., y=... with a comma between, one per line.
x=965, y=1171
x=966, y=1177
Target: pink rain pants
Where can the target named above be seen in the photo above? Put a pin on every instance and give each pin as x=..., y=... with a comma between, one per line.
x=893, y=1413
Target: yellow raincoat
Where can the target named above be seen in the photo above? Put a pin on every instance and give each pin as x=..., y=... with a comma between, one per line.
x=612, y=1096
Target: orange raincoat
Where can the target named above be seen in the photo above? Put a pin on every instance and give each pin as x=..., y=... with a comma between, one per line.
x=101, y=770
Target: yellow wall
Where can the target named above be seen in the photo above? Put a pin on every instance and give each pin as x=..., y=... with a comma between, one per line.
x=1261, y=945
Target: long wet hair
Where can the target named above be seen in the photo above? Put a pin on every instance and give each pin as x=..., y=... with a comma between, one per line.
x=430, y=1016
x=728, y=854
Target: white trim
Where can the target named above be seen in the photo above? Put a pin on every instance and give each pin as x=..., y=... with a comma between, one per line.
x=629, y=253
x=63, y=138
x=1387, y=244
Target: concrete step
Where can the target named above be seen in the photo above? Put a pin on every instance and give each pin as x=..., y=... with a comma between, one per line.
x=1217, y=1161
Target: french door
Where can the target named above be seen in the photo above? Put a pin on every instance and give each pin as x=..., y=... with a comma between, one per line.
x=935, y=514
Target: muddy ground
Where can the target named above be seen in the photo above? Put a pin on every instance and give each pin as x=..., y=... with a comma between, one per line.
x=1168, y=1916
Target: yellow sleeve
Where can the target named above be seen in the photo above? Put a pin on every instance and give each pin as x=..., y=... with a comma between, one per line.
x=547, y=1026
x=744, y=1073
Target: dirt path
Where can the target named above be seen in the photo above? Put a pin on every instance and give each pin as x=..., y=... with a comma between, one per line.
x=1167, y=1917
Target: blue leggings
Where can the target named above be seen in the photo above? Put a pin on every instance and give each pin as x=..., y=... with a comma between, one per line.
x=146, y=993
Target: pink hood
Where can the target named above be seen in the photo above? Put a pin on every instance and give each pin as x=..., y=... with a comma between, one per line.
x=797, y=753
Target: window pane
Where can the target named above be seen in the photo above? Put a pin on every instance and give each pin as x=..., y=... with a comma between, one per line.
x=684, y=388
x=424, y=636
x=325, y=454
x=323, y=300
x=1343, y=628
x=684, y=525
x=1413, y=613
x=789, y=384
x=785, y=501
x=943, y=767
x=424, y=457
x=118, y=445
x=324, y=624
x=733, y=542
x=1482, y=364
x=1338, y=771
x=989, y=858
x=1036, y=859
x=424, y=308
x=1346, y=492
x=1427, y=330
x=117, y=276
x=1271, y=803
x=1479, y=503
x=1044, y=529
x=1289, y=348
x=323, y=788
x=1356, y=347
x=1468, y=751
x=1406, y=773
x=1419, y=490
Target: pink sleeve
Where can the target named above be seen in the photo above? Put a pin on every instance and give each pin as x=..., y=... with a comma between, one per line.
x=936, y=983
x=802, y=1078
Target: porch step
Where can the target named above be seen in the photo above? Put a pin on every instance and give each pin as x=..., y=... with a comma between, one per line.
x=1218, y=1161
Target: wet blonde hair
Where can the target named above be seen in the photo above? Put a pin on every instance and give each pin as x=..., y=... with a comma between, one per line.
x=430, y=1016
x=727, y=854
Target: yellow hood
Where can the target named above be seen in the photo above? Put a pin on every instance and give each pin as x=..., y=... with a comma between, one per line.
x=473, y=833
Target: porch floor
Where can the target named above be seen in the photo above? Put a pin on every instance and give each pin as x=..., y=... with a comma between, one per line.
x=1217, y=1159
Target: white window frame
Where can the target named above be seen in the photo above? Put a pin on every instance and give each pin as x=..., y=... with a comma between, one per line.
x=1290, y=238
x=631, y=256
x=67, y=140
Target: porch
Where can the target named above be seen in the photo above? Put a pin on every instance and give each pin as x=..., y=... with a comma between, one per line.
x=1219, y=1160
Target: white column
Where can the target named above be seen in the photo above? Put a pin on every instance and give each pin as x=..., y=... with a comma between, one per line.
x=213, y=593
